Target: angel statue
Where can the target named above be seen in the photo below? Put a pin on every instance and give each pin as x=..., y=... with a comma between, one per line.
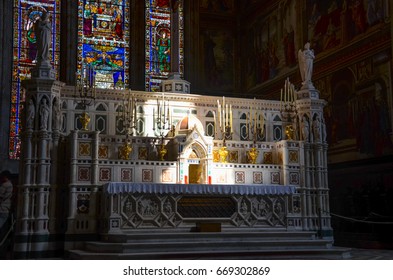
x=306, y=60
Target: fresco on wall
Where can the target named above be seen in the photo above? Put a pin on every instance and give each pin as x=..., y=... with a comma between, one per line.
x=272, y=40
x=335, y=22
x=217, y=48
x=360, y=117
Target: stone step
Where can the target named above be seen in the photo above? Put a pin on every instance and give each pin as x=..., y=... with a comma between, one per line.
x=277, y=254
x=207, y=236
x=167, y=244
x=212, y=245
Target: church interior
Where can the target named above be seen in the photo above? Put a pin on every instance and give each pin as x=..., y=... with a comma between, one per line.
x=130, y=116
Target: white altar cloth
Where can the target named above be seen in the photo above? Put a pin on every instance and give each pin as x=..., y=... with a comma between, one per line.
x=122, y=187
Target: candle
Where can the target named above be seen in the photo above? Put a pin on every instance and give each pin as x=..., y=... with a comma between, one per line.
x=167, y=108
x=255, y=122
x=219, y=113
x=158, y=109
x=214, y=122
x=134, y=113
x=226, y=115
x=154, y=121
x=247, y=122
x=231, y=117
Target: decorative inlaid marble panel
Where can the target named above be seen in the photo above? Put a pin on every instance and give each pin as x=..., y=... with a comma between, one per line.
x=83, y=173
x=103, y=152
x=275, y=177
x=233, y=156
x=167, y=176
x=105, y=174
x=147, y=175
x=268, y=158
x=84, y=149
x=257, y=177
x=240, y=177
x=142, y=153
x=294, y=178
x=126, y=174
x=293, y=157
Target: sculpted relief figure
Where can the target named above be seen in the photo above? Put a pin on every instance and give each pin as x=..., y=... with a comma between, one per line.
x=306, y=62
x=42, y=30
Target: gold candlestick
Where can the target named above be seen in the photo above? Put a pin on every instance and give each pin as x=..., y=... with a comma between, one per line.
x=223, y=154
x=85, y=120
x=252, y=155
x=162, y=151
x=125, y=151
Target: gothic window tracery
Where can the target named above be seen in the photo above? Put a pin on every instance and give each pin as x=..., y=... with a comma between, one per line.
x=103, y=47
x=158, y=41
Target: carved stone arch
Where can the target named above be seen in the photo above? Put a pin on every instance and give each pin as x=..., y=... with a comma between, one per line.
x=198, y=148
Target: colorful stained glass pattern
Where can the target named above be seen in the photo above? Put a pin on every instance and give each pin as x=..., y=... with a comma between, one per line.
x=26, y=12
x=158, y=42
x=103, y=48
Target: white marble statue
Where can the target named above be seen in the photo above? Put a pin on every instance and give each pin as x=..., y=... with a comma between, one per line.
x=30, y=114
x=316, y=127
x=44, y=114
x=56, y=115
x=305, y=129
x=42, y=30
x=306, y=62
x=323, y=130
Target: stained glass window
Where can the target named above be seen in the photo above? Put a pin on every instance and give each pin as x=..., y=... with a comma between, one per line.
x=158, y=42
x=26, y=13
x=103, y=47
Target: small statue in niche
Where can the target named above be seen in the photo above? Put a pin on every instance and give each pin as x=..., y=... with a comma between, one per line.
x=30, y=114
x=317, y=129
x=56, y=115
x=305, y=129
x=44, y=114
